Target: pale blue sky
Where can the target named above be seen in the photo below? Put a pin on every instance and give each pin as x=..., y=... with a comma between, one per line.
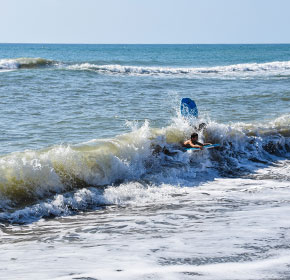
x=145, y=21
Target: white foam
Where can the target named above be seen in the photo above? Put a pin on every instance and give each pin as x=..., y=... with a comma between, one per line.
x=275, y=68
x=226, y=271
x=9, y=64
x=220, y=230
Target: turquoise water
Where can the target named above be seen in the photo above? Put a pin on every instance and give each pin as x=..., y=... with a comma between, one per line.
x=92, y=178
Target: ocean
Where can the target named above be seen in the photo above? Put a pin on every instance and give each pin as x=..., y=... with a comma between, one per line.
x=88, y=191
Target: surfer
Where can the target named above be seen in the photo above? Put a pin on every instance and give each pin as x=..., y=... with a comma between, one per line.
x=193, y=142
x=158, y=149
x=201, y=127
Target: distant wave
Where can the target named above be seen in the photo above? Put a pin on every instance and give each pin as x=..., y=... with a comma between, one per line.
x=277, y=68
x=59, y=180
x=274, y=68
x=24, y=62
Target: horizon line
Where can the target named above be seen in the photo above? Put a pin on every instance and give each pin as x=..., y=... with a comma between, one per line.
x=39, y=43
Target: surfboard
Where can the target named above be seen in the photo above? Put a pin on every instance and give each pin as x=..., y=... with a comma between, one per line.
x=205, y=147
x=188, y=108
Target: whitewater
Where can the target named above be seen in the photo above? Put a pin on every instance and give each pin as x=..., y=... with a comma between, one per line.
x=88, y=189
x=275, y=68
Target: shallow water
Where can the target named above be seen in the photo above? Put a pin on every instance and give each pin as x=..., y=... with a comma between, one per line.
x=85, y=192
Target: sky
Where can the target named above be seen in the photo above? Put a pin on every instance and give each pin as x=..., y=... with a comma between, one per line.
x=145, y=21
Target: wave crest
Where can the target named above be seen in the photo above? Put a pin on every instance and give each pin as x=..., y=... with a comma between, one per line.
x=276, y=68
x=24, y=62
x=273, y=68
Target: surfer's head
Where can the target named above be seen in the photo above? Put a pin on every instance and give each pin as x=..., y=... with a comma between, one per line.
x=194, y=136
x=201, y=126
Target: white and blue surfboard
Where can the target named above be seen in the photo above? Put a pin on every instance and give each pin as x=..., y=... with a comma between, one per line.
x=188, y=108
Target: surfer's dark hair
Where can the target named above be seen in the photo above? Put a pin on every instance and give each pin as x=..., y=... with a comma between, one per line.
x=193, y=135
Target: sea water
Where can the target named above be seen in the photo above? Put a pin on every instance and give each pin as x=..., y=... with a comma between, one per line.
x=86, y=190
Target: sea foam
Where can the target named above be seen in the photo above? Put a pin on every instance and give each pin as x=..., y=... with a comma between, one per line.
x=247, y=69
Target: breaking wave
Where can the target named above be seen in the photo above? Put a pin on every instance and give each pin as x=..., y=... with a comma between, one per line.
x=248, y=69
x=24, y=62
x=277, y=68
x=62, y=180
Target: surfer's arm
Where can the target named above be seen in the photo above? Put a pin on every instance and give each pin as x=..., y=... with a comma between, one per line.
x=198, y=146
x=188, y=144
x=203, y=144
